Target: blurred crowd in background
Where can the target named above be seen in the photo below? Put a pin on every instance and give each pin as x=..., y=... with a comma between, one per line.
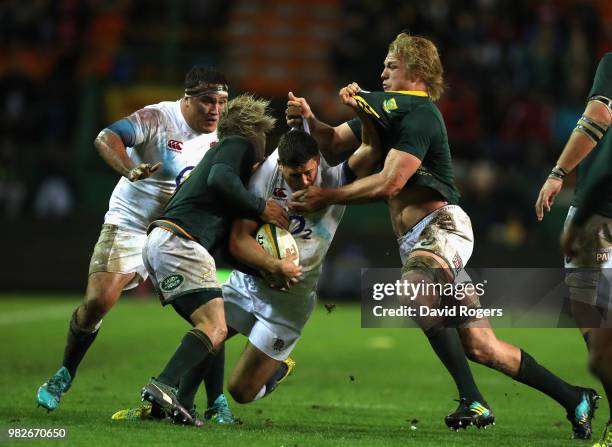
x=517, y=75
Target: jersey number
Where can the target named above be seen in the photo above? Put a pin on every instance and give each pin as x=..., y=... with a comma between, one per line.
x=300, y=227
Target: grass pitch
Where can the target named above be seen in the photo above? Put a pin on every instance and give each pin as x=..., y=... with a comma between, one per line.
x=351, y=387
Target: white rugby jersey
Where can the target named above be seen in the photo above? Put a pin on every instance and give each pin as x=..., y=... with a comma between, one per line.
x=313, y=232
x=162, y=134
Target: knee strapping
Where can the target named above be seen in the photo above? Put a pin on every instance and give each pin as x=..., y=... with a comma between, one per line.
x=425, y=265
x=582, y=285
x=77, y=329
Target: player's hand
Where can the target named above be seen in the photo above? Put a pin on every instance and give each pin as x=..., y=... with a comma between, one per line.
x=143, y=171
x=310, y=199
x=347, y=93
x=547, y=195
x=275, y=214
x=289, y=272
x=297, y=111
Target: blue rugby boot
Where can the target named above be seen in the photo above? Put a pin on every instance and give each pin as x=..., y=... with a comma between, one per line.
x=220, y=412
x=582, y=415
x=50, y=393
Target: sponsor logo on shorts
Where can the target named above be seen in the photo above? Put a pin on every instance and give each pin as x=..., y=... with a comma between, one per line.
x=171, y=282
x=457, y=261
x=278, y=344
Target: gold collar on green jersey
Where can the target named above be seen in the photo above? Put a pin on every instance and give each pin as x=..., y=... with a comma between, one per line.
x=410, y=92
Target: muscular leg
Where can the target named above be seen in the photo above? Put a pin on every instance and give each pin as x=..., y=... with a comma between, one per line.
x=212, y=371
x=482, y=346
x=103, y=291
x=253, y=370
x=600, y=360
x=207, y=335
x=426, y=268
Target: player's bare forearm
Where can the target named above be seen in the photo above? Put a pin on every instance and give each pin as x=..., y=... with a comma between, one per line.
x=577, y=148
x=112, y=150
x=334, y=142
x=399, y=167
x=245, y=248
x=579, y=144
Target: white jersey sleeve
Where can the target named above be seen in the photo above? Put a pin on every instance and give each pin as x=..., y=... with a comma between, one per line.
x=161, y=134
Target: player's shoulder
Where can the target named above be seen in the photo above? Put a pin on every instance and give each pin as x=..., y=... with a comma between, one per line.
x=268, y=166
x=331, y=176
x=607, y=58
x=234, y=141
x=424, y=115
x=158, y=112
x=605, y=65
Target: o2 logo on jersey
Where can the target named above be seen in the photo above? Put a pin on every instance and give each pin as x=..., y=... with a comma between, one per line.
x=300, y=227
x=183, y=175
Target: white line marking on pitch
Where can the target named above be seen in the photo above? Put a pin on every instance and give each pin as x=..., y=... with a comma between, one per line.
x=38, y=314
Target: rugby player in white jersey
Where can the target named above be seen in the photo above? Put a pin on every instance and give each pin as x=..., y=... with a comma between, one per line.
x=153, y=149
x=273, y=319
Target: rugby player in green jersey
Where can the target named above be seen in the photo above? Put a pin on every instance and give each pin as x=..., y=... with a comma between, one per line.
x=194, y=223
x=587, y=237
x=434, y=233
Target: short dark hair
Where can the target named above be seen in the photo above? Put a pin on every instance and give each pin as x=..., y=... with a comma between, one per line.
x=295, y=148
x=203, y=74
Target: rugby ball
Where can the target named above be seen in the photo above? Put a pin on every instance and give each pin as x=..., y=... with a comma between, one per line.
x=278, y=243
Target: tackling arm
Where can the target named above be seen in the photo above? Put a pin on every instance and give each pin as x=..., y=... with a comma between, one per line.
x=398, y=168
x=333, y=142
x=245, y=248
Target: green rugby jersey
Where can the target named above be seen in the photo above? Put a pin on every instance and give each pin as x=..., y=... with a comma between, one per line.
x=411, y=122
x=202, y=208
x=592, y=164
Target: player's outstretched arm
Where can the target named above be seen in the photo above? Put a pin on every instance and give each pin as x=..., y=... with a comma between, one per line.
x=584, y=138
x=245, y=248
x=398, y=168
x=112, y=148
x=334, y=142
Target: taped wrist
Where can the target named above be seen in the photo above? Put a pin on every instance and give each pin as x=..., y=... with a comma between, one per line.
x=557, y=173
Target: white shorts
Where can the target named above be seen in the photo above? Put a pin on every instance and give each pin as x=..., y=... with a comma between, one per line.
x=119, y=250
x=177, y=265
x=447, y=233
x=602, y=227
x=589, y=273
x=271, y=319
